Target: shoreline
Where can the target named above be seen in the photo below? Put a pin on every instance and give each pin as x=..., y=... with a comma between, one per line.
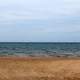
x=37, y=58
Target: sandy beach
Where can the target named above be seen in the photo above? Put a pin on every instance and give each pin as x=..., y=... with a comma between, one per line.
x=15, y=68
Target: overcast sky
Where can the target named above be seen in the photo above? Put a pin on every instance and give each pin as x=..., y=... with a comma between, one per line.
x=40, y=20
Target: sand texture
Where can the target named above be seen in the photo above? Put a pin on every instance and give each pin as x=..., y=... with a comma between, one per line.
x=39, y=69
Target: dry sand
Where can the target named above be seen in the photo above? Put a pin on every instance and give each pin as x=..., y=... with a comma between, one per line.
x=14, y=68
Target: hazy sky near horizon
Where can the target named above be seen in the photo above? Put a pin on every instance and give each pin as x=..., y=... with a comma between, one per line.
x=40, y=20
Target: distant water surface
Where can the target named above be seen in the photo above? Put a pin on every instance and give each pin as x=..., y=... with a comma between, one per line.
x=39, y=49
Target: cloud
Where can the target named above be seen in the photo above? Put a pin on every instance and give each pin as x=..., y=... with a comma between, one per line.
x=23, y=9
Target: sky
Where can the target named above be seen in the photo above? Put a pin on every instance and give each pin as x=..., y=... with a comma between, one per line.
x=39, y=20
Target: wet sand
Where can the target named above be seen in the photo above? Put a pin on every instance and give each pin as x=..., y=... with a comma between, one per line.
x=27, y=68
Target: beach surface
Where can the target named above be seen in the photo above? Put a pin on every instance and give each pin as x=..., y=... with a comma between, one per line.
x=20, y=68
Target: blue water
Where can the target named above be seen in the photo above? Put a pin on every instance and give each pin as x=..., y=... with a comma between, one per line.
x=39, y=49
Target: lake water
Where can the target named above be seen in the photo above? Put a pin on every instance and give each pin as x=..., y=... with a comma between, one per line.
x=39, y=49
